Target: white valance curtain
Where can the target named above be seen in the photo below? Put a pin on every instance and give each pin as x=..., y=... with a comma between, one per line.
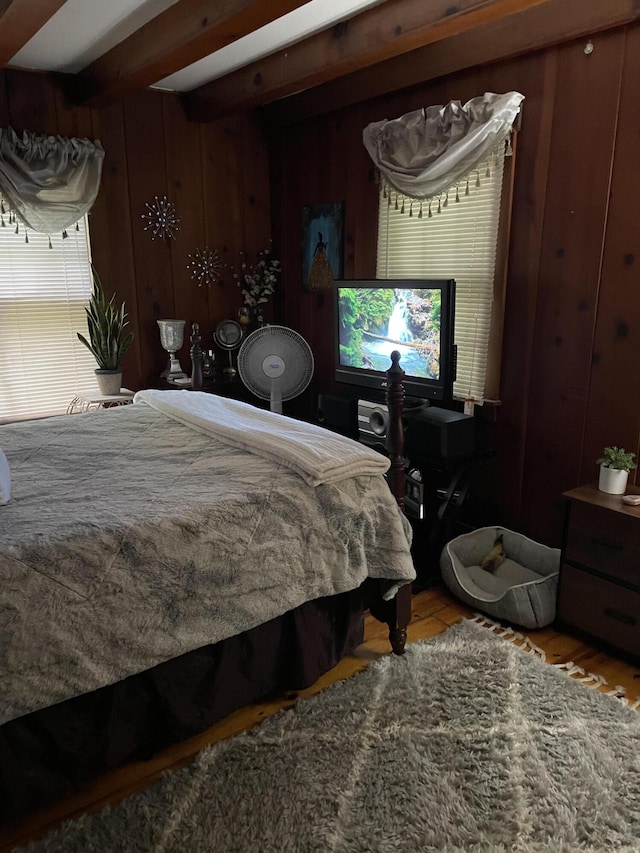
x=424, y=154
x=48, y=182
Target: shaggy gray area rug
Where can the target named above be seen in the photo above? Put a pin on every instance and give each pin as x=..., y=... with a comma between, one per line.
x=467, y=743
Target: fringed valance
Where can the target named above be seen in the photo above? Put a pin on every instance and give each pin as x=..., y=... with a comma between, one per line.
x=436, y=204
x=47, y=182
x=428, y=155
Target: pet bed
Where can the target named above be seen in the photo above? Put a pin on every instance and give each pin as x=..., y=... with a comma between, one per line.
x=521, y=590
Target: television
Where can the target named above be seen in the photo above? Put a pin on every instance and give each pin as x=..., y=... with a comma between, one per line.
x=415, y=317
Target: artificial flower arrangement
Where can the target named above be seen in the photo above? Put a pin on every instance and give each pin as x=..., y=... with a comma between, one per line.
x=257, y=281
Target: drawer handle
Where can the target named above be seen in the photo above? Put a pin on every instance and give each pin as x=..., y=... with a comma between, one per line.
x=608, y=543
x=620, y=616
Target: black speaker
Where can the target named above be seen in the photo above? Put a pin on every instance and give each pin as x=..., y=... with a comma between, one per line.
x=438, y=433
x=373, y=422
x=339, y=413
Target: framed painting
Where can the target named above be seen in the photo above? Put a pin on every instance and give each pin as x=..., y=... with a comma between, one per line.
x=322, y=245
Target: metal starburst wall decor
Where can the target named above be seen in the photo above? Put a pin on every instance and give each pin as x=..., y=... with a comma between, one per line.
x=205, y=266
x=161, y=218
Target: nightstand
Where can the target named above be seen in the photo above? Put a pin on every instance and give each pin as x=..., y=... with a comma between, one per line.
x=224, y=386
x=599, y=586
x=91, y=401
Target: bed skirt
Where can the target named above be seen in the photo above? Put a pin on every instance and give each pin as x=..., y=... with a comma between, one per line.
x=53, y=752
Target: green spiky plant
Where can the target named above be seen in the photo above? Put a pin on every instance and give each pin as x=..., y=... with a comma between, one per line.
x=106, y=323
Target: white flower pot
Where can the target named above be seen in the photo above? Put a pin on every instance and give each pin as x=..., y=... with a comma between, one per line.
x=109, y=381
x=613, y=480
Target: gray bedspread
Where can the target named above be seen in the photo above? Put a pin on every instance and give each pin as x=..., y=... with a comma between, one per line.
x=131, y=539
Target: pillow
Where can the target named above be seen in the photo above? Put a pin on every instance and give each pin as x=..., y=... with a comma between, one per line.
x=5, y=480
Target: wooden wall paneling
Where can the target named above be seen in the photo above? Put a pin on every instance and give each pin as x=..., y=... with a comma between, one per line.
x=184, y=170
x=361, y=203
x=147, y=170
x=111, y=233
x=32, y=101
x=574, y=220
x=71, y=120
x=537, y=299
x=255, y=197
x=297, y=159
x=355, y=173
x=537, y=80
x=332, y=186
x=312, y=187
x=256, y=186
x=613, y=413
x=279, y=190
x=224, y=219
x=287, y=219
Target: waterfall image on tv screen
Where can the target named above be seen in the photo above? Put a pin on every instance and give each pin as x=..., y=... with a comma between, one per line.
x=375, y=321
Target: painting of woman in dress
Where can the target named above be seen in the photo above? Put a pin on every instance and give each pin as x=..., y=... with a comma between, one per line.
x=321, y=245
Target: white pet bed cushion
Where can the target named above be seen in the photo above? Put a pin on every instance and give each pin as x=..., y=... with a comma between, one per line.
x=522, y=590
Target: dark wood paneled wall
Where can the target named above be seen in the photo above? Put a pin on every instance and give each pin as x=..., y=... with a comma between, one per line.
x=216, y=174
x=572, y=337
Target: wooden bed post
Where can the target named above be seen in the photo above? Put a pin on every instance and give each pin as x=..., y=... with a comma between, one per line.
x=400, y=615
x=395, y=428
x=397, y=612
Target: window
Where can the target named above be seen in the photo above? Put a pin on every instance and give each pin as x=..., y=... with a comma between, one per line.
x=461, y=241
x=43, y=292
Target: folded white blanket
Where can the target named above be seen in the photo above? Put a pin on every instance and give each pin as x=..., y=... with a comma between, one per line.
x=319, y=456
x=5, y=480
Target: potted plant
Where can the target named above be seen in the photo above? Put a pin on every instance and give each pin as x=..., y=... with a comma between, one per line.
x=107, y=339
x=615, y=464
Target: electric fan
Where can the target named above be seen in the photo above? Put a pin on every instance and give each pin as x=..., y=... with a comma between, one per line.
x=276, y=364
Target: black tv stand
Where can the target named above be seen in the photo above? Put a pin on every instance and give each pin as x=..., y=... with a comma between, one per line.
x=436, y=497
x=437, y=484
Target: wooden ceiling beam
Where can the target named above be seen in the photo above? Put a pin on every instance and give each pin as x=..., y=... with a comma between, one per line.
x=19, y=21
x=532, y=29
x=373, y=36
x=181, y=35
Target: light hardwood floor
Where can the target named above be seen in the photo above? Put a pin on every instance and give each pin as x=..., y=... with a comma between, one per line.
x=434, y=610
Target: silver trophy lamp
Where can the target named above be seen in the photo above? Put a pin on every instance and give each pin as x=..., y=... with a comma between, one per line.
x=172, y=339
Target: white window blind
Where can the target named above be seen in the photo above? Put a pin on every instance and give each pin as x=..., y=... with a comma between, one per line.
x=43, y=292
x=460, y=242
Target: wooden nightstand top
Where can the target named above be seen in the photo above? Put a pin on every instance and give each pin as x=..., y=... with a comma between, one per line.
x=592, y=495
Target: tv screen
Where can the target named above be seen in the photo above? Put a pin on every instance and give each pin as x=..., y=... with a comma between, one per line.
x=415, y=317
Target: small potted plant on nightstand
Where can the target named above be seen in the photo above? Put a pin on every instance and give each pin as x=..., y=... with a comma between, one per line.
x=615, y=464
x=107, y=340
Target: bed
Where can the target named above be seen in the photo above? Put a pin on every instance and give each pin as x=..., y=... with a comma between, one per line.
x=161, y=568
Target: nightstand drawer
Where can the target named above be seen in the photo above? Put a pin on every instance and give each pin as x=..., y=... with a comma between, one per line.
x=600, y=608
x=605, y=541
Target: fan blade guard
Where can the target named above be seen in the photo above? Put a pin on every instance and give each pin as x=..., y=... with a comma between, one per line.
x=275, y=355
